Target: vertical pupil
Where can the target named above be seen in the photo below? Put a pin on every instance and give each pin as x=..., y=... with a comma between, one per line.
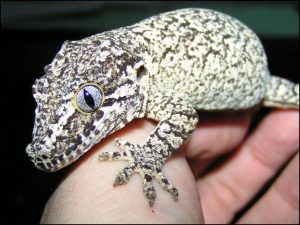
x=88, y=99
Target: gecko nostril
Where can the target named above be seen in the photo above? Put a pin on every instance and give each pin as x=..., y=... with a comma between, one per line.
x=44, y=156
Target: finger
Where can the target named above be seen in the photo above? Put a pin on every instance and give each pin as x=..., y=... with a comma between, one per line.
x=216, y=134
x=281, y=203
x=229, y=188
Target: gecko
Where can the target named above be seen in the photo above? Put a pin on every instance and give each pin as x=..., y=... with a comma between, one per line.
x=166, y=68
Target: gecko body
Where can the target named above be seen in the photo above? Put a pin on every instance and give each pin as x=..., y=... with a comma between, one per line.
x=164, y=68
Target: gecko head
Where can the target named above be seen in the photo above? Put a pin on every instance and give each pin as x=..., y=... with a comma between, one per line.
x=91, y=89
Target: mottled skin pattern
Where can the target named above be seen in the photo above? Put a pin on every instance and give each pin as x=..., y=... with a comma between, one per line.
x=164, y=68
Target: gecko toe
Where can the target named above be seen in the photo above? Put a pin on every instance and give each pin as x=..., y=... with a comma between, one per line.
x=174, y=193
x=143, y=161
x=148, y=189
x=112, y=156
x=124, y=175
x=165, y=184
x=120, y=179
x=104, y=156
x=123, y=145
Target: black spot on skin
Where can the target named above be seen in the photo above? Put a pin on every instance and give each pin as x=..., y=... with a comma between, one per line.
x=69, y=150
x=70, y=158
x=88, y=130
x=54, y=161
x=140, y=72
x=110, y=91
x=39, y=158
x=99, y=114
x=164, y=181
x=97, y=42
x=132, y=152
x=61, y=158
x=59, y=138
x=49, y=133
x=78, y=151
x=41, y=165
x=44, y=157
x=116, y=154
x=147, y=166
x=148, y=178
x=67, y=126
x=109, y=102
x=166, y=51
x=78, y=140
x=127, y=82
x=150, y=145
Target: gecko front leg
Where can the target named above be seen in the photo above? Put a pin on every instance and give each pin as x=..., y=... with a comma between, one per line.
x=176, y=120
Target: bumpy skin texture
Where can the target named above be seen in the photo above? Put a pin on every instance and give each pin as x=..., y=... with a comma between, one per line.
x=164, y=68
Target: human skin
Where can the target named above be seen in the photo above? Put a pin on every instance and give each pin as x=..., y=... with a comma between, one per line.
x=87, y=195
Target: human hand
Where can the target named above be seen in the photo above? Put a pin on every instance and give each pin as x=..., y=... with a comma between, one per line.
x=87, y=195
x=259, y=158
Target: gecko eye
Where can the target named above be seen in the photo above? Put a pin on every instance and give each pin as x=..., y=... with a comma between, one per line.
x=88, y=98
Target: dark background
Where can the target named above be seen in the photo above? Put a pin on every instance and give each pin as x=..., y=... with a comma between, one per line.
x=31, y=35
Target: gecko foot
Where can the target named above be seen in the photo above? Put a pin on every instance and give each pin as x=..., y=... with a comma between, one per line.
x=143, y=160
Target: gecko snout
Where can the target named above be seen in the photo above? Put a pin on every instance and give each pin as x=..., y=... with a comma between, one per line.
x=52, y=159
x=41, y=161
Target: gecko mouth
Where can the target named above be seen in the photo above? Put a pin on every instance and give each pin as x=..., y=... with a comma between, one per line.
x=50, y=155
x=53, y=163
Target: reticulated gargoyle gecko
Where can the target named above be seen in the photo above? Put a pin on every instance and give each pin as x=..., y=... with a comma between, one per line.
x=164, y=68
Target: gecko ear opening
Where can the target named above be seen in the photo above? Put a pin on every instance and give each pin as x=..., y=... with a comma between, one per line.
x=140, y=72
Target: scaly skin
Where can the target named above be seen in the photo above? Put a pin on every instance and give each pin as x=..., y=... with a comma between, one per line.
x=164, y=68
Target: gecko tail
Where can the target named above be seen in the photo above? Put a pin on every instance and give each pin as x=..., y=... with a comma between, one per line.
x=281, y=93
